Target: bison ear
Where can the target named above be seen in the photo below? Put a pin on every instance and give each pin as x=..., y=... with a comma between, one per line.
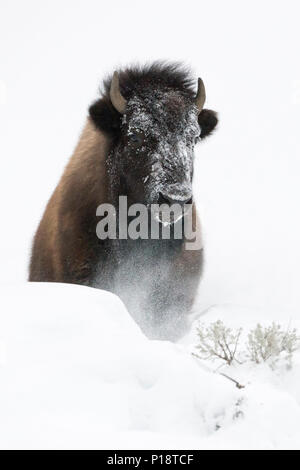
x=207, y=120
x=105, y=117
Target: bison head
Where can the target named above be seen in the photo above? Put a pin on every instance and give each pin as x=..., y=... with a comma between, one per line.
x=155, y=119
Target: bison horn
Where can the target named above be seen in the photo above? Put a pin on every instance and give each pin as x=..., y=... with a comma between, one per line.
x=117, y=99
x=200, y=97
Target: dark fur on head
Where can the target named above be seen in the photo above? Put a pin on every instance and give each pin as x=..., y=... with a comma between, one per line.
x=134, y=80
x=146, y=155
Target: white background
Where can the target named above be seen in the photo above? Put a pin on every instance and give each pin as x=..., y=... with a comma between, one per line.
x=53, y=56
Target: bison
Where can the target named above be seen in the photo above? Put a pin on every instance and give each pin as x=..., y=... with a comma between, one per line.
x=138, y=142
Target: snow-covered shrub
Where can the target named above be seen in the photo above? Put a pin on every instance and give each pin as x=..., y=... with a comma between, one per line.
x=270, y=344
x=217, y=341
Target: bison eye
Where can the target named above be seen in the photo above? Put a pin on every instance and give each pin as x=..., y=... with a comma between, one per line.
x=136, y=139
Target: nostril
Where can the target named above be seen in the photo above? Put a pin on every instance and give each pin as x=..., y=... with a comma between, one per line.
x=163, y=199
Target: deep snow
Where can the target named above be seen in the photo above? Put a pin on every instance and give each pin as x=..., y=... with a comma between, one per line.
x=76, y=372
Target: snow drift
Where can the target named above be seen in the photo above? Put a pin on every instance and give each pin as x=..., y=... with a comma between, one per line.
x=76, y=372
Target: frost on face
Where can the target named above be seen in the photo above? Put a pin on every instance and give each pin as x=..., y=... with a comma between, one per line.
x=169, y=125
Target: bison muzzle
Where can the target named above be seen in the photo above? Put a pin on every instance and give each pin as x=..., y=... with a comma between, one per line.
x=138, y=142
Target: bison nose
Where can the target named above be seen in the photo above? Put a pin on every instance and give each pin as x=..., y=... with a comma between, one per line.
x=169, y=199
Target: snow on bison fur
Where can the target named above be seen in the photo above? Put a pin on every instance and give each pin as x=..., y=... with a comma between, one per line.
x=138, y=142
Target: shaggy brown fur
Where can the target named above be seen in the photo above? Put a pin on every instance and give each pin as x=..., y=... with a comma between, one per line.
x=66, y=240
x=66, y=247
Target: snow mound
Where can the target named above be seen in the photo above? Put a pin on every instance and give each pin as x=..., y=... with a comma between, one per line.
x=77, y=372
